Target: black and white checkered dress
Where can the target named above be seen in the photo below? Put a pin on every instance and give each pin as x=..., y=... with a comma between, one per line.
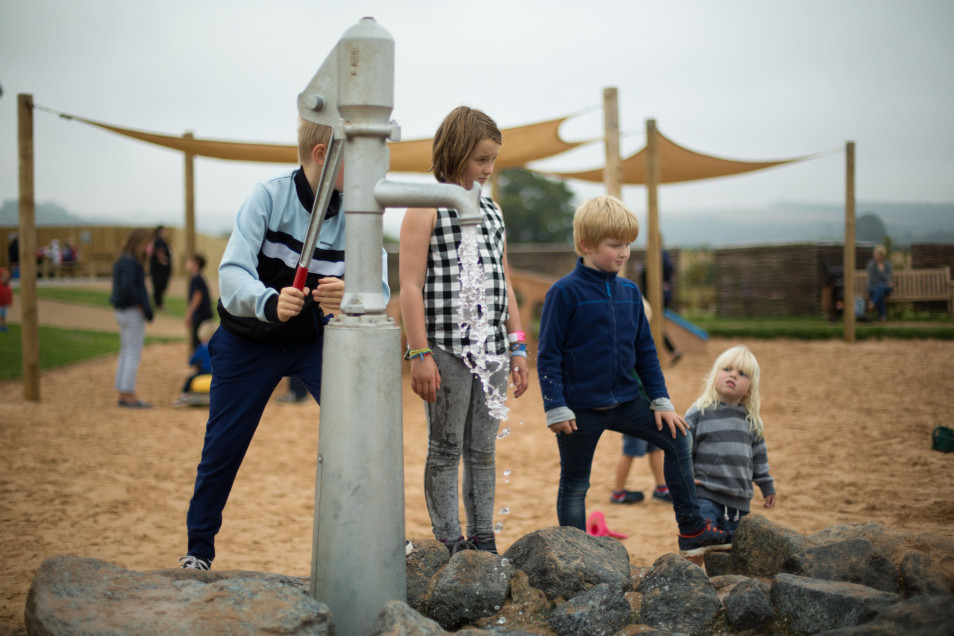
x=442, y=284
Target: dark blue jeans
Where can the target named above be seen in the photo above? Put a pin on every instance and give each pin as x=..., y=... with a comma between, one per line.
x=636, y=419
x=879, y=297
x=245, y=372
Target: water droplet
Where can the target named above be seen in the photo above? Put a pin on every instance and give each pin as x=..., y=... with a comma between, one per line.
x=496, y=608
x=505, y=510
x=501, y=620
x=507, y=473
x=498, y=526
x=505, y=562
x=502, y=434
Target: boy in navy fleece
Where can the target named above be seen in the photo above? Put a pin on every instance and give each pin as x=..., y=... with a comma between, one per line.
x=595, y=347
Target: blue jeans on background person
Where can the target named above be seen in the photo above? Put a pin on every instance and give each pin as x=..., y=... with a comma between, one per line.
x=632, y=418
x=879, y=297
x=723, y=517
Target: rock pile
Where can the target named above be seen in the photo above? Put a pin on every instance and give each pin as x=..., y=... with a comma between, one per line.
x=849, y=579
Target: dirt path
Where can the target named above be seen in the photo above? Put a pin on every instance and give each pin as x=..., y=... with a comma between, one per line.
x=848, y=428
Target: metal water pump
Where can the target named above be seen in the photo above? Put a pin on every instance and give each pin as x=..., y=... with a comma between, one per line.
x=358, y=559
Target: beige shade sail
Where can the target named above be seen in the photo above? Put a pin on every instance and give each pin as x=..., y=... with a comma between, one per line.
x=522, y=145
x=678, y=164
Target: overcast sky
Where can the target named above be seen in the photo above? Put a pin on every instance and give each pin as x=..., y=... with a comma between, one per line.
x=748, y=80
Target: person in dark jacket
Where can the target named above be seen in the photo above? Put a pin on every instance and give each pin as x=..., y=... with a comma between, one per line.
x=133, y=311
x=160, y=266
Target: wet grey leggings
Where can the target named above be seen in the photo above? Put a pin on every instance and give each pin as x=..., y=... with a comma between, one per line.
x=459, y=425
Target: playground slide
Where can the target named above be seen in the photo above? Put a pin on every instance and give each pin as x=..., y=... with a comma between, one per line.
x=685, y=335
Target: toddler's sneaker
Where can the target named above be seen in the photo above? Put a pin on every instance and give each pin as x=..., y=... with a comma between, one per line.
x=190, y=562
x=626, y=497
x=485, y=542
x=708, y=539
x=662, y=495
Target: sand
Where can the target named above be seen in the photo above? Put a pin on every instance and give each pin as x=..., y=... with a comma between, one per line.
x=848, y=428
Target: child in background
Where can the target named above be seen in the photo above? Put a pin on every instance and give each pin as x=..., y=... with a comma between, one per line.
x=459, y=422
x=199, y=308
x=595, y=351
x=201, y=361
x=6, y=297
x=728, y=444
x=133, y=311
x=635, y=447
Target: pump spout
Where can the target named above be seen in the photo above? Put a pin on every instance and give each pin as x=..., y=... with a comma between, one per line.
x=394, y=194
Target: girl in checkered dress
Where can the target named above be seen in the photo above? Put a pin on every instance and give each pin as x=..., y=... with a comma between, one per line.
x=459, y=422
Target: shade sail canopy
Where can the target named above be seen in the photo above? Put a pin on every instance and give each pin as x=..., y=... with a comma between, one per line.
x=677, y=164
x=521, y=145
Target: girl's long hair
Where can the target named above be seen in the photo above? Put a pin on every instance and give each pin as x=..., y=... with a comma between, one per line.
x=137, y=239
x=456, y=138
x=738, y=357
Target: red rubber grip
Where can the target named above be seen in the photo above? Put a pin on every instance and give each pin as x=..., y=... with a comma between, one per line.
x=300, y=274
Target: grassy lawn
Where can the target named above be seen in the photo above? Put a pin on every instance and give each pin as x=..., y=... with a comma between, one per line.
x=808, y=328
x=58, y=347
x=99, y=298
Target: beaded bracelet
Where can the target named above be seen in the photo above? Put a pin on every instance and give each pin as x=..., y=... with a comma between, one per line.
x=518, y=346
x=417, y=353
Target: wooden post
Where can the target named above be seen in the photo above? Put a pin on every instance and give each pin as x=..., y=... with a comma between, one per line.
x=849, y=255
x=613, y=172
x=189, y=200
x=29, y=321
x=653, y=243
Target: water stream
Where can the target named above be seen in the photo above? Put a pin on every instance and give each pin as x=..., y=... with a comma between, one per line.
x=472, y=320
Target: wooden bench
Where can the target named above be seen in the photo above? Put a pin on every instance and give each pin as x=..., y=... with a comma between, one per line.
x=914, y=285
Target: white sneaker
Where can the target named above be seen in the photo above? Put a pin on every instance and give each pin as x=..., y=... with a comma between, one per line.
x=190, y=562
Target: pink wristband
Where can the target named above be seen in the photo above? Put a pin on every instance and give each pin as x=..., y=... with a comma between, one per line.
x=516, y=336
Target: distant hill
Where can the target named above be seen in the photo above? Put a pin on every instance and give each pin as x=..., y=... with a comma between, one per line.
x=906, y=223
x=47, y=213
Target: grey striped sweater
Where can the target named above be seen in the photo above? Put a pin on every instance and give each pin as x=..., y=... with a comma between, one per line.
x=727, y=457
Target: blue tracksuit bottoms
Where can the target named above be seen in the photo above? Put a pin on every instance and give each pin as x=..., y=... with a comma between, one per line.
x=245, y=372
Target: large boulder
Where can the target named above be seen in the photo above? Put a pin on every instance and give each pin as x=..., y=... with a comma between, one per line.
x=759, y=547
x=472, y=585
x=811, y=605
x=600, y=611
x=678, y=597
x=562, y=562
x=73, y=595
x=852, y=561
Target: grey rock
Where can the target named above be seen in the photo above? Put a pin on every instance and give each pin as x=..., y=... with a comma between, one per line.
x=718, y=563
x=400, y=619
x=811, y=605
x=600, y=611
x=852, y=561
x=678, y=597
x=923, y=615
x=562, y=562
x=920, y=576
x=759, y=547
x=747, y=606
x=73, y=595
x=427, y=558
x=471, y=586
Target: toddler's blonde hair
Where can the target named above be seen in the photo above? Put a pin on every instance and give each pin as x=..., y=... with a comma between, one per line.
x=741, y=358
x=601, y=218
